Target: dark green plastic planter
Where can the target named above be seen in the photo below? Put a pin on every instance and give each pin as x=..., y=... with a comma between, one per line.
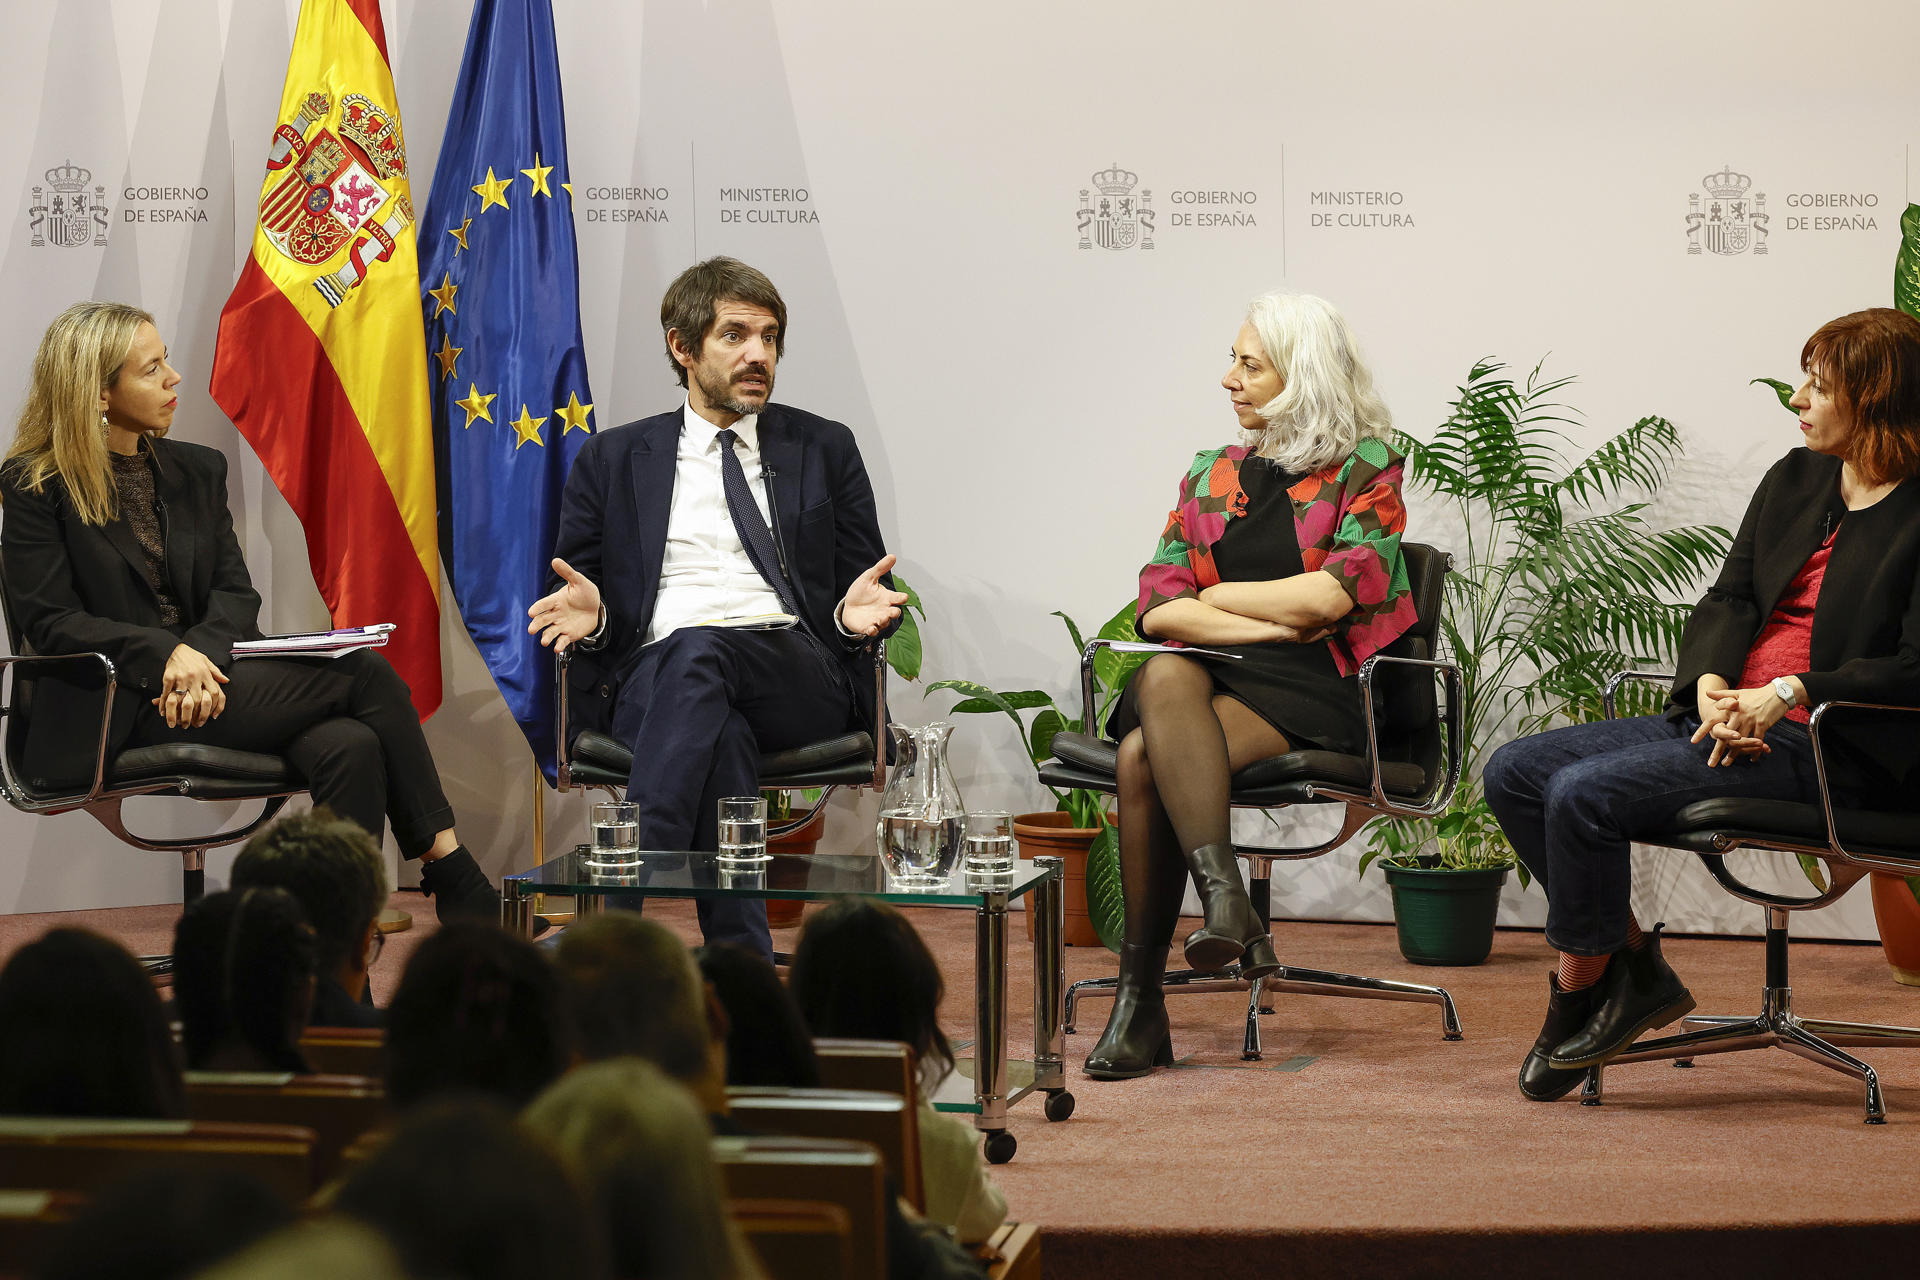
x=1445, y=917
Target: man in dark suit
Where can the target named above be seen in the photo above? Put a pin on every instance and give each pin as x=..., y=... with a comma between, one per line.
x=742, y=566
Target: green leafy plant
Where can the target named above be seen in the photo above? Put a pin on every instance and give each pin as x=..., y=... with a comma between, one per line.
x=1084, y=808
x=1561, y=583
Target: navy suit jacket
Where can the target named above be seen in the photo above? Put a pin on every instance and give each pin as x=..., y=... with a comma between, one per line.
x=613, y=529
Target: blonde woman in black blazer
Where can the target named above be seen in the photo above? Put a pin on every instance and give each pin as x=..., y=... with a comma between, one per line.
x=1819, y=599
x=119, y=541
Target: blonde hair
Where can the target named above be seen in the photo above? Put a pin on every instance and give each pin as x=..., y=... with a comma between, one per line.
x=59, y=432
x=1327, y=404
x=638, y=1142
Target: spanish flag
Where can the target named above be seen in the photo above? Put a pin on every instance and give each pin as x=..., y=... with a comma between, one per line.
x=320, y=360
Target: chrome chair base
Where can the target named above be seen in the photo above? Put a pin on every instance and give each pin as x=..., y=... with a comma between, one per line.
x=1306, y=982
x=1815, y=1039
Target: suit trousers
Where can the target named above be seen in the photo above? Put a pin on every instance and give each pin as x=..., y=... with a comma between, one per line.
x=1572, y=801
x=348, y=726
x=699, y=707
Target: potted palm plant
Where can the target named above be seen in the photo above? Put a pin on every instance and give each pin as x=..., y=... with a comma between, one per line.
x=1562, y=582
x=1080, y=826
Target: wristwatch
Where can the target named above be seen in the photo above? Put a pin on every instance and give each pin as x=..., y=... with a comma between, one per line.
x=1783, y=690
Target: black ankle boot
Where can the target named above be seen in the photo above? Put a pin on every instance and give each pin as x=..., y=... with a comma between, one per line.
x=460, y=889
x=1230, y=923
x=1567, y=1013
x=1642, y=992
x=1137, y=1038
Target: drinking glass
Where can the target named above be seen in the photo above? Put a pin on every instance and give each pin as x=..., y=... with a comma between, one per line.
x=743, y=831
x=989, y=842
x=616, y=834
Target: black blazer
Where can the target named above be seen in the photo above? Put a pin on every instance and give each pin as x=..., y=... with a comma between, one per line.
x=1866, y=624
x=613, y=529
x=72, y=587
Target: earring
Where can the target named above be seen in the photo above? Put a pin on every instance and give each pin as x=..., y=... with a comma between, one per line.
x=103, y=420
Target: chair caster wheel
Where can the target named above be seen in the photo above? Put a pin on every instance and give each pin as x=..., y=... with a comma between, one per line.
x=1001, y=1145
x=1683, y=1062
x=1059, y=1105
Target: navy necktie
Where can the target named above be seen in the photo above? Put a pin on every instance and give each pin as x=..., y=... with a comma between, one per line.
x=749, y=524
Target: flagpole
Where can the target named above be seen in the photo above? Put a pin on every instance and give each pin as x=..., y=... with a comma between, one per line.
x=539, y=816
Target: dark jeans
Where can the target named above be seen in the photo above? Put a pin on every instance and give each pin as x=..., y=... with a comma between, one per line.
x=1572, y=800
x=347, y=724
x=700, y=707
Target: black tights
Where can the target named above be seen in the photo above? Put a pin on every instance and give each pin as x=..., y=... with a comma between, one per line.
x=1174, y=774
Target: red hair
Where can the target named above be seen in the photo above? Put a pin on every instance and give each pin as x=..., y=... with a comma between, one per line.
x=1870, y=361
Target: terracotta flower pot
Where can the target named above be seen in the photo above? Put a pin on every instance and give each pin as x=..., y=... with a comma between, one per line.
x=785, y=914
x=1898, y=914
x=1052, y=835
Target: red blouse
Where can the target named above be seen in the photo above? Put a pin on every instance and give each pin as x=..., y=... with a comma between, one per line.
x=1784, y=646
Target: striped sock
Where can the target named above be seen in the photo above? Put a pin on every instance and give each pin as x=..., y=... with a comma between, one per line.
x=1580, y=972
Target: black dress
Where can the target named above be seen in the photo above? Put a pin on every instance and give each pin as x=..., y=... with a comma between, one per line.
x=1293, y=687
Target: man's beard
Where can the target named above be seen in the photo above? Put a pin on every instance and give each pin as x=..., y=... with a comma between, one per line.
x=717, y=389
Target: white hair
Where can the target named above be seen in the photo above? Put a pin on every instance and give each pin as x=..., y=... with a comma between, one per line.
x=1327, y=404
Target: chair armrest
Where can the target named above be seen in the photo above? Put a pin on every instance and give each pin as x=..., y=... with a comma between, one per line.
x=878, y=647
x=1442, y=793
x=111, y=679
x=1088, y=709
x=1815, y=723
x=1643, y=677
x=563, y=773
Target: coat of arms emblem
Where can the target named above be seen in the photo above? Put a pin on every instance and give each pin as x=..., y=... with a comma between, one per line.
x=1730, y=220
x=1117, y=219
x=65, y=212
x=341, y=189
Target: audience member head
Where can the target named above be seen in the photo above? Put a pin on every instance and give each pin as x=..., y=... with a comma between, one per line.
x=332, y=1246
x=166, y=1224
x=635, y=992
x=640, y=1146
x=83, y=1034
x=82, y=364
x=1308, y=397
x=1861, y=399
x=767, y=1040
x=862, y=972
x=333, y=867
x=243, y=974
x=478, y=1010
x=461, y=1190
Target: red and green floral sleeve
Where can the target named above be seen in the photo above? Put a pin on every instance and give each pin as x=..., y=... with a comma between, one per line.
x=1350, y=520
x=1182, y=563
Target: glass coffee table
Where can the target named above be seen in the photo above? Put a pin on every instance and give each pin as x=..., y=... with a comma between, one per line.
x=983, y=1086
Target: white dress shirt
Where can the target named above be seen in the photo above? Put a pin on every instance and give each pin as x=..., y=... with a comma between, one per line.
x=706, y=572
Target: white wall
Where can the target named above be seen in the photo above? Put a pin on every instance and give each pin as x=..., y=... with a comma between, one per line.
x=1026, y=405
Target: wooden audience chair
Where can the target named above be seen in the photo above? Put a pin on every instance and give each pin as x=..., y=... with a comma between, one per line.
x=346, y=1051
x=888, y=1121
x=796, y=1239
x=60, y=1154
x=1014, y=1252
x=337, y=1108
x=884, y=1066
x=30, y=1224
x=847, y=1174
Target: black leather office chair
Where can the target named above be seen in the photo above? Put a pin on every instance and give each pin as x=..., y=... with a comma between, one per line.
x=593, y=760
x=193, y=770
x=1410, y=770
x=1851, y=843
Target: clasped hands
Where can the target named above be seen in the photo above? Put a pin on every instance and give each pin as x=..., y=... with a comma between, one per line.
x=190, y=692
x=572, y=613
x=1737, y=721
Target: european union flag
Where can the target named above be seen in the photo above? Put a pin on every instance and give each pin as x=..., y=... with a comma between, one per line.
x=501, y=279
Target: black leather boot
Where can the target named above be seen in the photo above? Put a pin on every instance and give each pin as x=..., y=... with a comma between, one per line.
x=1642, y=993
x=1137, y=1038
x=1231, y=923
x=460, y=889
x=1567, y=1013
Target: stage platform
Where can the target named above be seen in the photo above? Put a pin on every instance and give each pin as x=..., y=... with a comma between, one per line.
x=1365, y=1145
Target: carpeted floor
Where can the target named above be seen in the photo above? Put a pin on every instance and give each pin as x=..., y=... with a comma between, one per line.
x=1365, y=1145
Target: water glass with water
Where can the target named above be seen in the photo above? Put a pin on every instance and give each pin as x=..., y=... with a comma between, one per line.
x=989, y=842
x=743, y=830
x=616, y=834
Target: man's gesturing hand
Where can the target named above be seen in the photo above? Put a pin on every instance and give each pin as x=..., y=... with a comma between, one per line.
x=868, y=605
x=568, y=615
